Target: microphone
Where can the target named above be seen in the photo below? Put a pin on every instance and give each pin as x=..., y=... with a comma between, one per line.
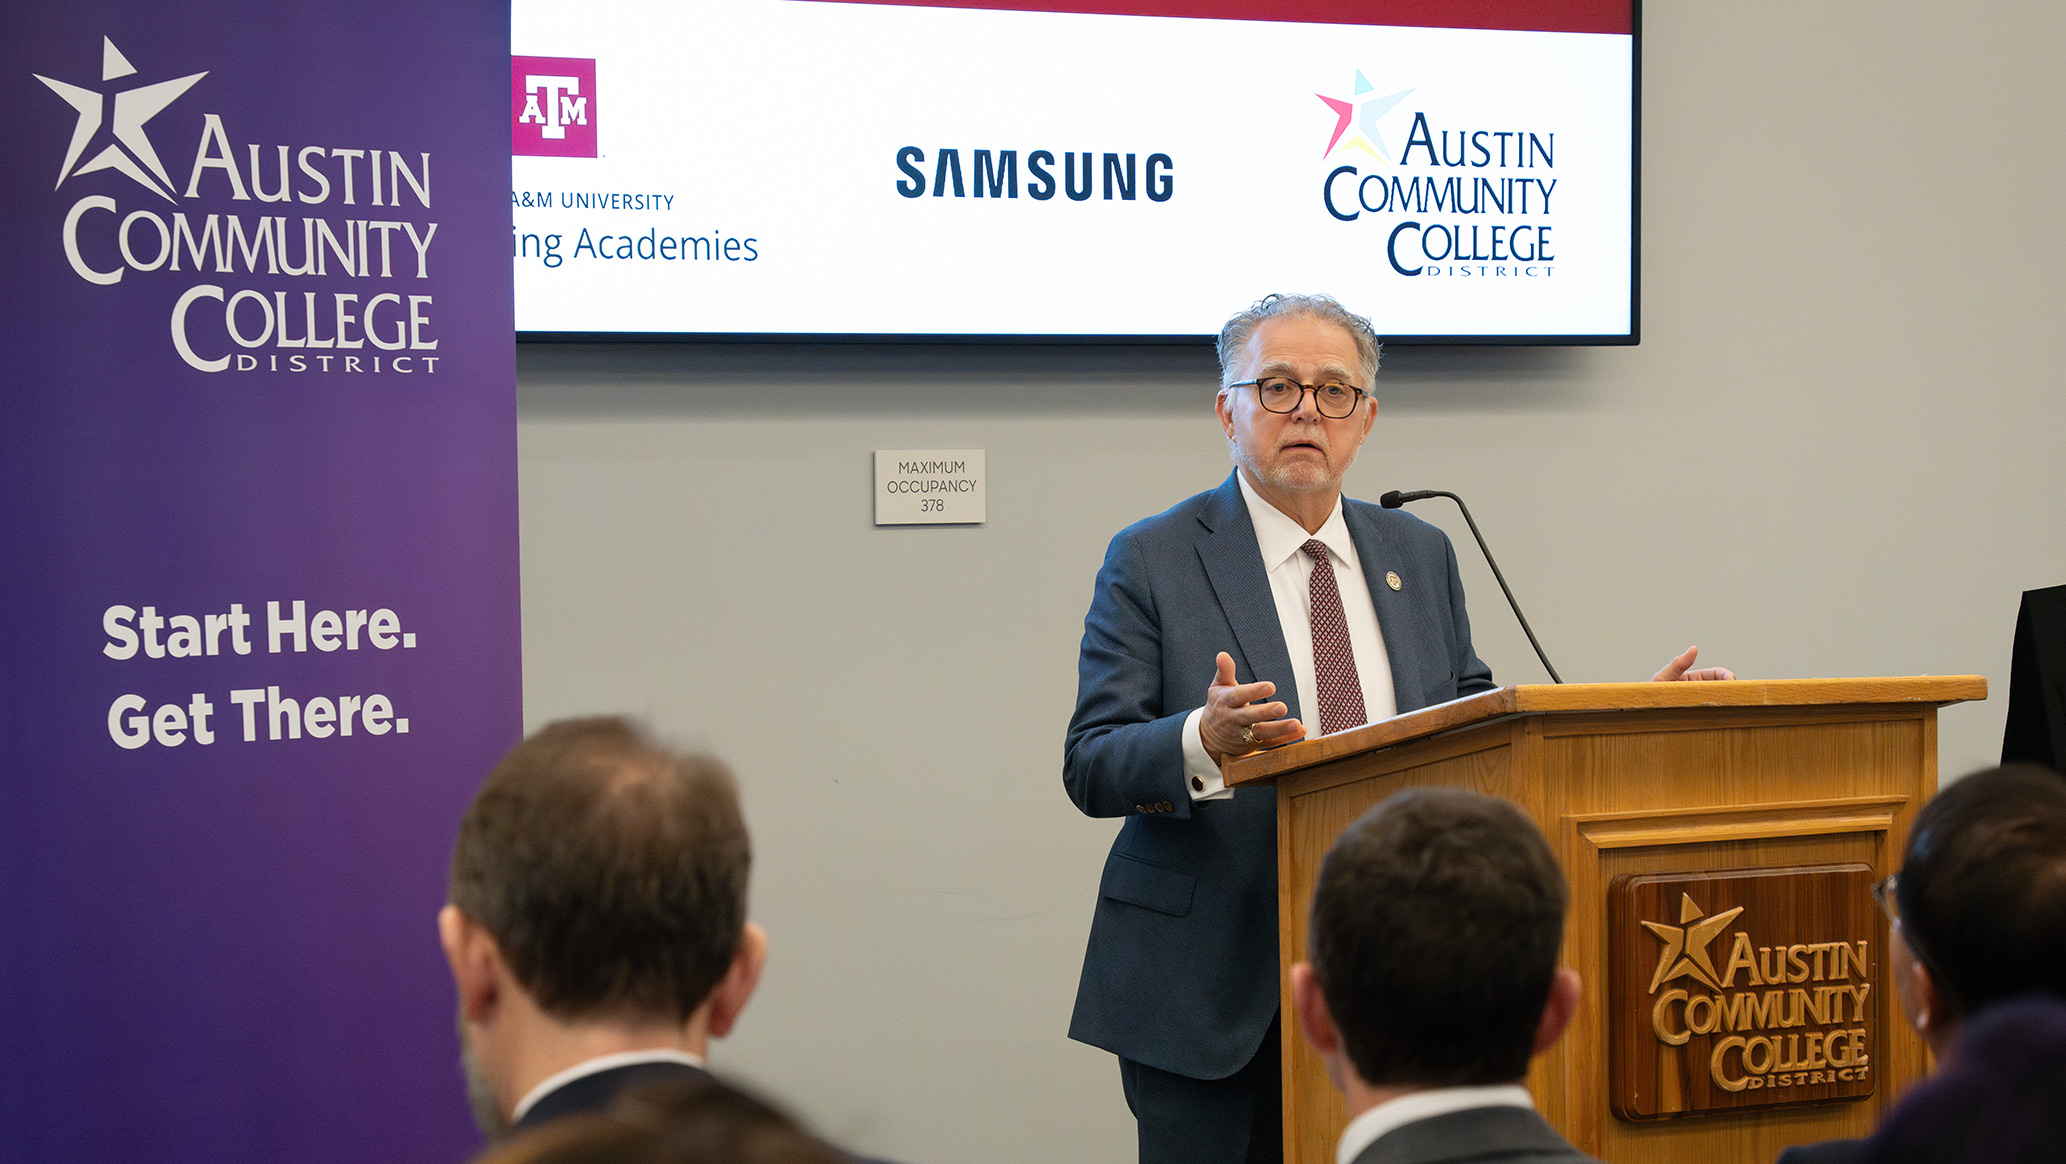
x=1396, y=498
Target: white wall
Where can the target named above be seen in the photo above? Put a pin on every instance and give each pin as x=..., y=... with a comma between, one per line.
x=1836, y=452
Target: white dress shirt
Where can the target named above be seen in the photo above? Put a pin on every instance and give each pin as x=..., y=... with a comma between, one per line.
x=600, y=1063
x=1392, y=1115
x=1281, y=541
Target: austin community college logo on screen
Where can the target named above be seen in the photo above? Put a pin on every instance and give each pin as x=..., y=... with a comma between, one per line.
x=1492, y=220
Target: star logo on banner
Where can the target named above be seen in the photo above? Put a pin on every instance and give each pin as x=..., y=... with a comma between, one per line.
x=128, y=150
x=1685, y=944
x=1362, y=112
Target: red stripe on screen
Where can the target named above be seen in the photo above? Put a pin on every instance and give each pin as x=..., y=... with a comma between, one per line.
x=1609, y=16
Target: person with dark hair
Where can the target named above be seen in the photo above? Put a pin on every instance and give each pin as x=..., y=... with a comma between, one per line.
x=2000, y=1099
x=1979, y=905
x=1433, y=980
x=1977, y=911
x=597, y=929
x=693, y=1120
x=1260, y=612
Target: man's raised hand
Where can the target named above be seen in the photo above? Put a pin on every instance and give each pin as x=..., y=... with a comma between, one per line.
x=1676, y=670
x=1234, y=724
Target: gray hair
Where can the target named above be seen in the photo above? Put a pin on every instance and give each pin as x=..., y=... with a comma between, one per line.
x=1234, y=336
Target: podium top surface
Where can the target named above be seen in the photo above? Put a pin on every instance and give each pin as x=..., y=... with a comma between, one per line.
x=1603, y=697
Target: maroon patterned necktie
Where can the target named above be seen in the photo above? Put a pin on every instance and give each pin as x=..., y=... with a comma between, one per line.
x=1334, y=664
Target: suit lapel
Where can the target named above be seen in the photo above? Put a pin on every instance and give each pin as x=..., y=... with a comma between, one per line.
x=1234, y=566
x=1402, y=617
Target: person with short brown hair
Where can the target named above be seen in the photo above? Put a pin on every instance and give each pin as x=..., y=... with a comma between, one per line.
x=1434, y=980
x=597, y=930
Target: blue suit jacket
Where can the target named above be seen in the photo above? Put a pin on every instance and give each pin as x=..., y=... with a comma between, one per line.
x=1181, y=971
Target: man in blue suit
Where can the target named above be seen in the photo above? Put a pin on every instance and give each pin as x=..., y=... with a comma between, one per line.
x=1249, y=616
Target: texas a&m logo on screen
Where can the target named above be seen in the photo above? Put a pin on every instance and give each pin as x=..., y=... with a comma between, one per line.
x=552, y=107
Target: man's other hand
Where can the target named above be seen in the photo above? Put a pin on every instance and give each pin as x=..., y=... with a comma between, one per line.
x=1231, y=709
x=1680, y=669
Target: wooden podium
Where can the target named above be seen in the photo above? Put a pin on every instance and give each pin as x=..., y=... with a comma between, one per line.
x=1798, y=792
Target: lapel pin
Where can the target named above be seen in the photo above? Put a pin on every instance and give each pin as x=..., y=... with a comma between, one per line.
x=1392, y=579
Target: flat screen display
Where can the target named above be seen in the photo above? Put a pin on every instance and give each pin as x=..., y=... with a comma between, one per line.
x=1461, y=171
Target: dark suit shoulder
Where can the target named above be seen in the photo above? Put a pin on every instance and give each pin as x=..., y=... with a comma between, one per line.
x=1509, y=1135
x=1182, y=519
x=1218, y=507
x=1396, y=524
x=1826, y=1152
x=594, y=1092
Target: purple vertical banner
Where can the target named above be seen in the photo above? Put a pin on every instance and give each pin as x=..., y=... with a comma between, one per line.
x=258, y=567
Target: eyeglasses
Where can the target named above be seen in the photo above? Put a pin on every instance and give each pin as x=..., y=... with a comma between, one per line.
x=1885, y=894
x=1283, y=394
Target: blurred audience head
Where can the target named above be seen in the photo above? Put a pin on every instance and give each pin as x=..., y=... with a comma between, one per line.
x=2001, y=1099
x=597, y=904
x=693, y=1121
x=1980, y=899
x=1435, y=930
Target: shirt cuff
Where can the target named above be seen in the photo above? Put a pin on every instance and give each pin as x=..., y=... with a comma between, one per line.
x=1201, y=776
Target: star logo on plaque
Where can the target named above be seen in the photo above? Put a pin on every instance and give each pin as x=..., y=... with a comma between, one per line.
x=128, y=150
x=1727, y=1023
x=1362, y=110
x=1685, y=945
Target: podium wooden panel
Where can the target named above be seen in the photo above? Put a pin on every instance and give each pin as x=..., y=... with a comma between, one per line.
x=1634, y=778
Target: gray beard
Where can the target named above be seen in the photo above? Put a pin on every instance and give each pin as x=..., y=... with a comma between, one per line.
x=1281, y=481
x=480, y=1095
